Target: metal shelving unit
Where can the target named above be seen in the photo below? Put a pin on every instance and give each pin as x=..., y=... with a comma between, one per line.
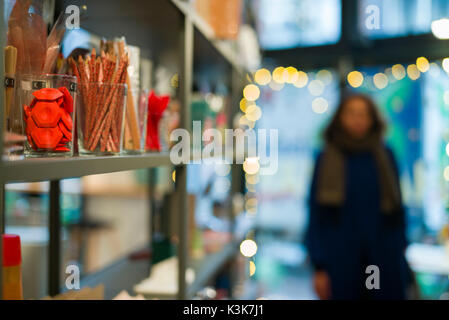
x=54, y=170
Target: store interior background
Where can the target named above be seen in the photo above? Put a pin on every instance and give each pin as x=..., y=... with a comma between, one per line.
x=105, y=217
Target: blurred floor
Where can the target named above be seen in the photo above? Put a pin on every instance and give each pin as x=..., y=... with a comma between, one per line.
x=295, y=286
x=281, y=271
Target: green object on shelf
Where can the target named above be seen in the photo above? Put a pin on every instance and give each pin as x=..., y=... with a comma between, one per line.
x=162, y=249
x=70, y=209
x=197, y=243
x=431, y=286
x=200, y=111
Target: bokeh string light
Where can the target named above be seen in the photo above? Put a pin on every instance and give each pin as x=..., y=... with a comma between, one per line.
x=315, y=84
x=282, y=76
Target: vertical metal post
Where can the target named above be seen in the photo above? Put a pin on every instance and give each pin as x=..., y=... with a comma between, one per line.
x=186, y=77
x=2, y=115
x=54, y=249
x=151, y=202
x=181, y=180
x=2, y=231
x=3, y=213
x=2, y=75
x=350, y=33
x=237, y=84
x=351, y=39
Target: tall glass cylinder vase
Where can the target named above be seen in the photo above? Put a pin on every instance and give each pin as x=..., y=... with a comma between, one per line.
x=101, y=115
x=136, y=120
x=14, y=137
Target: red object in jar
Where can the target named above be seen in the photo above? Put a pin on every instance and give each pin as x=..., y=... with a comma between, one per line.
x=46, y=115
x=48, y=120
x=156, y=107
x=46, y=138
x=68, y=100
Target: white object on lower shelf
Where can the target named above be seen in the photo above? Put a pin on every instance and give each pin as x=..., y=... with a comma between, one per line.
x=431, y=259
x=124, y=296
x=163, y=281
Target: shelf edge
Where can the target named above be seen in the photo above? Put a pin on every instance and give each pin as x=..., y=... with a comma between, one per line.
x=37, y=170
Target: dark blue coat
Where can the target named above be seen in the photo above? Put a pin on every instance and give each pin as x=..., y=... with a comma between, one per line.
x=344, y=241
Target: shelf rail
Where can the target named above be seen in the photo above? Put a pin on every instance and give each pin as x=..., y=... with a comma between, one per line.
x=186, y=86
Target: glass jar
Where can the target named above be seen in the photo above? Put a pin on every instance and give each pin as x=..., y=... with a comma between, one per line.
x=101, y=114
x=136, y=122
x=14, y=137
x=46, y=103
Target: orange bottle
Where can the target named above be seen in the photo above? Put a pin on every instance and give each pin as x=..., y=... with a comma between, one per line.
x=12, y=268
x=224, y=17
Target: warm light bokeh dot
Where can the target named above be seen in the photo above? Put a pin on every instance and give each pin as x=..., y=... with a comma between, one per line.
x=445, y=64
x=422, y=64
x=355, y=79
x=250, y=188
x=251, y=165
x=280, y=75
x=446, y=174
x=252, y=268
x=244, y=121
x=248, y=248
x=253, y=113
x=276, y=86
x=325, y=76
x=320, y=105
x=302, y=80
x=263, y=77
x=251, y=92
x=252, y=211
x=398, y=71
x=413, y=72
x=292, y=74
x=380, y=80
x=252, y=179
x=252, y=202
x=244, y=104
x=434, y=70
x=316, y=87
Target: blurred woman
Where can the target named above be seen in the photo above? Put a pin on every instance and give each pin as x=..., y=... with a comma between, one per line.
x=356, y=213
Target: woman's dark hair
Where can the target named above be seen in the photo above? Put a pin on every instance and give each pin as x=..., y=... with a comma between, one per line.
x=335, y=127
